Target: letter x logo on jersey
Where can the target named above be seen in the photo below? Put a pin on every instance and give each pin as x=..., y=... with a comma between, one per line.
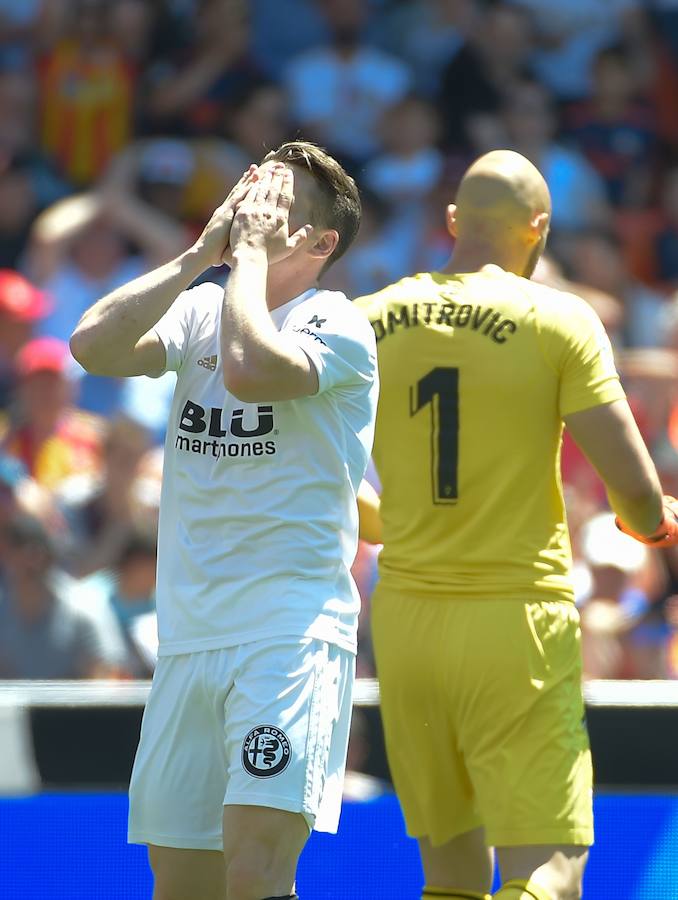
x=317, y=322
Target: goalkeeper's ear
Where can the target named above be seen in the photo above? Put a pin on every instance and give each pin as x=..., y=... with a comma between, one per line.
x=369, y=514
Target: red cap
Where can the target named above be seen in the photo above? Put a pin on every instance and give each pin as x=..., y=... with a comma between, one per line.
x=46, y=354
x=20, y=299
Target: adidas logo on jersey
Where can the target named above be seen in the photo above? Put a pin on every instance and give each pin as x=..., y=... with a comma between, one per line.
x=208, y=362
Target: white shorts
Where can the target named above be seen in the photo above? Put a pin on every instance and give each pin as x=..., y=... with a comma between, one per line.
x=263, y=724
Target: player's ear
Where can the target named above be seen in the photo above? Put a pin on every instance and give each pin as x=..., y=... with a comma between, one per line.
x=322, y=244
x=539, y=226
x=451, y=219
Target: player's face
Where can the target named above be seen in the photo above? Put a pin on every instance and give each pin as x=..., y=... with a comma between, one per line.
x=322, y=241
x=300, y=212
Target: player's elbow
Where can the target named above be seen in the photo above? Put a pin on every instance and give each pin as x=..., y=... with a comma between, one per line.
x=244, y=383
x=88, y=351
x=82, y=349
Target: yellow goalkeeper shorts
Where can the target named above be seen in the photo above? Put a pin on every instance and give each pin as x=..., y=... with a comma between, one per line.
x=484, y=718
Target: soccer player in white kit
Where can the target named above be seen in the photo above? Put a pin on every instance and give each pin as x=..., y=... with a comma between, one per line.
x=244, y=737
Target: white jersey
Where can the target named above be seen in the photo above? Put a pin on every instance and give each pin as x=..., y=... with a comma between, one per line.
x=258, y=516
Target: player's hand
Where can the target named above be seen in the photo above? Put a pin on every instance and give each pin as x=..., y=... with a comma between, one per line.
x=666, y=534
x=213, y=243
x=262, y=219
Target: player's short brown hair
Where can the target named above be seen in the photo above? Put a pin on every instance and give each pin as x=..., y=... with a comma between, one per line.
x=336, y=203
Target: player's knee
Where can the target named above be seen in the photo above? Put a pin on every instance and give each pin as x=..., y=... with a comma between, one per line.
x=255, y=869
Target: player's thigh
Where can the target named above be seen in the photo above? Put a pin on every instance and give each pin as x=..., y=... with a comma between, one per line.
x=286, y=725
x=525, y=741
x=179, y=774
x=558, y=868
x=261, y=849
x=465, y=863
x=418, y=708
x=187, y=874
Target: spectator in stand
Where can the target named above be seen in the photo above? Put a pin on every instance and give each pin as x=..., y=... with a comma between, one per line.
x=254, y=120
x=12, y=473
x=21, y=306
x=125, y=591
x=87, y=94
x=609, y=309
x=98, y=504
x=146, y=491
x=339, y=91
x=21, y=495
x=131, y=26
x=569, y=35
x=51, y=438
x=18, y=138
x=665, y=245
x=616, y=130
x=481, y=73
x=616, y=617
x=577, y=191
x=19, y=204
x=427, y=34
x=596, y=259
x=381, y=253
x=188, y=89
x=358, y=784
x=80, y=248
x=410, y=164
x=23, y=26
x=659, y=22
x=27, y=182
x=145, y=189
x=42, y=634
x=257, y=120
x=282, y=31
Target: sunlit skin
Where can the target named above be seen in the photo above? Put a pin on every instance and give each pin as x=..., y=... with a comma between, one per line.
x=288, y=276
x=501, y=216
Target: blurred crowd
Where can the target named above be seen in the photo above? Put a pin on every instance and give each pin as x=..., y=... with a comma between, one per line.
x=123, y=124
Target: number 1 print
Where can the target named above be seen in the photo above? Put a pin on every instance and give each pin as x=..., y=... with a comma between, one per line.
x=440, y=388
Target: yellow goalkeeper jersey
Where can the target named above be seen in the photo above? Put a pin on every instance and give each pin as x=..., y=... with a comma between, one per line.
x=477, y=372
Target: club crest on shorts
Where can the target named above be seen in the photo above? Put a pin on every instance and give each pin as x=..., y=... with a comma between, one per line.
x=266, y=751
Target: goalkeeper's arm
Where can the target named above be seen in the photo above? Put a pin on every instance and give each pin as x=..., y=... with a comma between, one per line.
x=610, y=439
x=369, y=514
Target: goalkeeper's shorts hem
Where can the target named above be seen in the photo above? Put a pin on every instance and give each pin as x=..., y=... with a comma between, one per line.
x=527, y=837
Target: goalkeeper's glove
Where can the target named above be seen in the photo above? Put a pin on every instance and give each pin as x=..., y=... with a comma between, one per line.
x=666, y=535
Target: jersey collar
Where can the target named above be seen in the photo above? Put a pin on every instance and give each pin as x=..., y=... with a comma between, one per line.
x=280, y=313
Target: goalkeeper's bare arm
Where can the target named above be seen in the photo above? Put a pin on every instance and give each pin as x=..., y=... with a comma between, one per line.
x=610, y=439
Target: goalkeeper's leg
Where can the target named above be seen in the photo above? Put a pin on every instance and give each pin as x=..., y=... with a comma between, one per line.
x=542, y=872
x=460, y=869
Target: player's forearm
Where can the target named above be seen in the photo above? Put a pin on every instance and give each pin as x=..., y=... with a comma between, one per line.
x=609, y=437
x=257, y=362
x=641, y=511
x=115, y=323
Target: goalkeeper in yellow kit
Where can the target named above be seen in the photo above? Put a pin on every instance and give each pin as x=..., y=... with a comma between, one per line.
x=476, y=635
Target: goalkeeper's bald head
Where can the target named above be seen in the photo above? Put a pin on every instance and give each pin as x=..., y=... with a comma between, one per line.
x=503, y=203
